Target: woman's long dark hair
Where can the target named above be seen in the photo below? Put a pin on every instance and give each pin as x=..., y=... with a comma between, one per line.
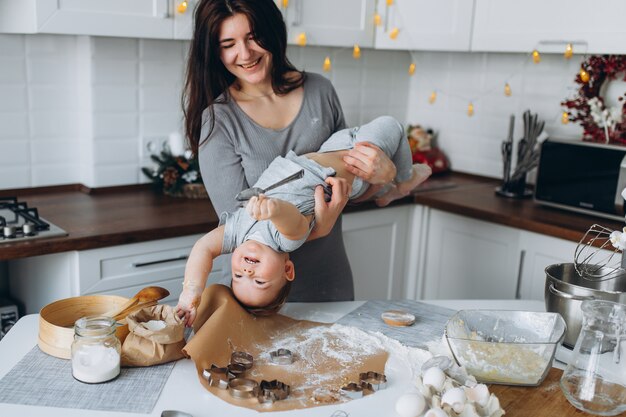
x=207, y=78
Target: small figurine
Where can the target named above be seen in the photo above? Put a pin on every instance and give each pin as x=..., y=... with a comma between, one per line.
x=424, y=151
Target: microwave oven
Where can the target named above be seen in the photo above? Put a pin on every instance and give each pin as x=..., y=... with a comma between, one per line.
x=582, y=176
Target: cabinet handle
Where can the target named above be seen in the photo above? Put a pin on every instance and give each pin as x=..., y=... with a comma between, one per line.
x=160, y=261
x=298, y=19
x=562, y=294
x=518, y=285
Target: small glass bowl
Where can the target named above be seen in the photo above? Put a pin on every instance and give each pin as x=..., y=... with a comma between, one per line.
x=505, y=347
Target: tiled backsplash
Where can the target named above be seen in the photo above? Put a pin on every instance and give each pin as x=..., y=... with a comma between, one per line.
x=82, y=109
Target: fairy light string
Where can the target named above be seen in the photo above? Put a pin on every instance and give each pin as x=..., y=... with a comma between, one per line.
x=394, y=29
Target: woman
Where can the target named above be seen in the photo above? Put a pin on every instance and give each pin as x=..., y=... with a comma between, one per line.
x=245, y=104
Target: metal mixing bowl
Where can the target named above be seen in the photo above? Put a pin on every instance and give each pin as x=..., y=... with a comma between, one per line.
x=565, y=291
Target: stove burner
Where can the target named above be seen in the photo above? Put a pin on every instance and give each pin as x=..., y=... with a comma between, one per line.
x=20, y=222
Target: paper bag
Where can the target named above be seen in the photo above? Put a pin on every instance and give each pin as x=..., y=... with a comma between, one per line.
x=145, y=347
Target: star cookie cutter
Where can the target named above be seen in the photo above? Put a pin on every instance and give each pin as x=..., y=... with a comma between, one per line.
x=281, y=357
x=243, y=388
x=217, y=377
x=242, y=358
x=271, y=391
x=354, y=390
x=374, y=379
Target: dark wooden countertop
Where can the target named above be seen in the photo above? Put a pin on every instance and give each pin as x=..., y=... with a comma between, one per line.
x=136, y=214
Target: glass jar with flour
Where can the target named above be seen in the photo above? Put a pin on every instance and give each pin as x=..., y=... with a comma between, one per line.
x=95, y=350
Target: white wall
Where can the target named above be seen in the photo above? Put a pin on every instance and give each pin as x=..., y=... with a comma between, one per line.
x=80, y=109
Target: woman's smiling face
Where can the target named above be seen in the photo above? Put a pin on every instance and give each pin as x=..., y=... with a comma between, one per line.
x=241, y=54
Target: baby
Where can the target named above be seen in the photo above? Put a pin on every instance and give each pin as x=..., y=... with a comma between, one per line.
x=280, y=221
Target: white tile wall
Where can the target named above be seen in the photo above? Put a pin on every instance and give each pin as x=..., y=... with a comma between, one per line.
x=75, y=108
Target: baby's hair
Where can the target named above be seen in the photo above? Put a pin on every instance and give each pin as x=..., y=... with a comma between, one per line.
x=273, y=307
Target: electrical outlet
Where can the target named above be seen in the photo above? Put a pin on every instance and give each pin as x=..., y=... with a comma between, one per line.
x=152, y=145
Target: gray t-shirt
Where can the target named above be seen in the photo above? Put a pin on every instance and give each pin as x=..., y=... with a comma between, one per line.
x=239, y=150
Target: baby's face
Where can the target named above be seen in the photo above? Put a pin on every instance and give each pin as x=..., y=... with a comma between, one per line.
x=259, y=273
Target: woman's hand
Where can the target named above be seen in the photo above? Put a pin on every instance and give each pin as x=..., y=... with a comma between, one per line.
x=370, y=163
x=327, y=213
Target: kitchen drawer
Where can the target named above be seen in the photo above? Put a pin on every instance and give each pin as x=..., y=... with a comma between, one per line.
x=135, y=265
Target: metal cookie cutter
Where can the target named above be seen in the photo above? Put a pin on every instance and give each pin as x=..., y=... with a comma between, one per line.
x=354, y=390
x=217, y=377
x=281, y=357
x=242, y=358
x=374, y=379
x=236, y=369
x=243, y=388
x=271, y=391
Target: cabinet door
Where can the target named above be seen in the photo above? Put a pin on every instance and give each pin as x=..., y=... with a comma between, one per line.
x=375, y=241
x=331, y=22
x=136, y=18
x=443, y=25
x=520, y=26
x=467, y=258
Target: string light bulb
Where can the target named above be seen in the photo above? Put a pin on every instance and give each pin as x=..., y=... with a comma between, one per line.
x=584, y=75
x=327, y=64
x=356, y=52
x=536, y=57
x=433, y=97
x=470, y=109
x=389, y=2
x=394, y=33
x=285, y=4
x=301, y=39
x=569, y=51
x=377, y=19
x=182, y=7
x=565, y=118
x=507, y=90
x=412, y=68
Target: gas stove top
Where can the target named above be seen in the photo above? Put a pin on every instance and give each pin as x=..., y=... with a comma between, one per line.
x=18, y=222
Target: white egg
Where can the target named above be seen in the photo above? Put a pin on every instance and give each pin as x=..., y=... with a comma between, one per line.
x=455, y=398
x=434, y=377
x=435, y=412
x=410, y=405
x=478, y=394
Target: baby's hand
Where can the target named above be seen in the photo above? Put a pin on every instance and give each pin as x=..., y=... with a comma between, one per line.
x=263, y=208
x=188, y=304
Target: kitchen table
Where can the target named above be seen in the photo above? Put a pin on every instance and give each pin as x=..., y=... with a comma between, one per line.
x=183, y=391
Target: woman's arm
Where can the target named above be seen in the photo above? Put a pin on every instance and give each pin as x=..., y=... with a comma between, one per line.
x=327, y=213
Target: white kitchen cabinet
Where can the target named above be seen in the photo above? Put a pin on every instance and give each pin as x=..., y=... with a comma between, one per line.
x=376, y=242
x=331, y=22
x=120, y=270
x=470, y=259
x=135, y=18
x=521, y=26
x=444, y=25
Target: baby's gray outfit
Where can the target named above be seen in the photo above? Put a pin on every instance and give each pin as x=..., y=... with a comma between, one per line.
x=385, y=132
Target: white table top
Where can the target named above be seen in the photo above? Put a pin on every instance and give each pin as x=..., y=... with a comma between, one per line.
x=183, y=391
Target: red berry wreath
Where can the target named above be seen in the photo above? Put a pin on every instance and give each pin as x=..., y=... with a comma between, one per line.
x=589, y=108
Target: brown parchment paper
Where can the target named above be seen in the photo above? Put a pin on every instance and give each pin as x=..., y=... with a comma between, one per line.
x=223, y=326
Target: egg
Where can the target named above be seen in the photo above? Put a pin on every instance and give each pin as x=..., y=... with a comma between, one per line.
x=410, y=405
x=434, y=377
x=455, y=398
x=478, y=394
x=435, y=412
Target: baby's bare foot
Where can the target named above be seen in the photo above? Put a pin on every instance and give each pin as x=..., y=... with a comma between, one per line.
x=389, y=196
x=421, y=172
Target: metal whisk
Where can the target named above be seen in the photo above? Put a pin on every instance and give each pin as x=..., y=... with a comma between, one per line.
x=598, y=256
